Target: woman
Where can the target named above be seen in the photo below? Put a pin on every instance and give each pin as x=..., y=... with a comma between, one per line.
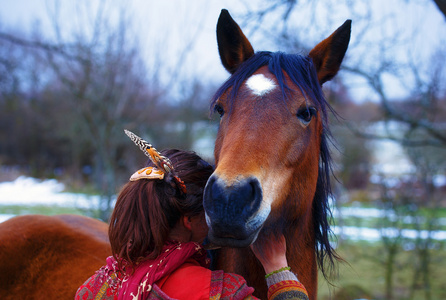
x=156, y=232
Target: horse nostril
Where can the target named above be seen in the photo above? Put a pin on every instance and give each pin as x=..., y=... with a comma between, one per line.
x=254, y=200
x=213, y=196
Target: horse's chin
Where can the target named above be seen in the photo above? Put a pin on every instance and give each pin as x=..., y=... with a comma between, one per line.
x=231, y=241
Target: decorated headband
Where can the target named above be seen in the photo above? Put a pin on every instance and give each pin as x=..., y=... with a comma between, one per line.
x=163, y=164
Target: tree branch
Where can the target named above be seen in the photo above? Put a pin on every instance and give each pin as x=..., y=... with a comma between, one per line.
x=390, y=113
x=409, y=142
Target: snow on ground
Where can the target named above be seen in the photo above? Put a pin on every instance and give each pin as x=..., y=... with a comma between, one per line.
x=373, y=234
x=30, y=191
x=4, y=217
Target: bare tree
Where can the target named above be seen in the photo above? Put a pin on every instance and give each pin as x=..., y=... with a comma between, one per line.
x=96, y=80
x=102, y=79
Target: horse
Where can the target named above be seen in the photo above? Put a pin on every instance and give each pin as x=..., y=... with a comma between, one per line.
x=272, y=156
x=49, y=257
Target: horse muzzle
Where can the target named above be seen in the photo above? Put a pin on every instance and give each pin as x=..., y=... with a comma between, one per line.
x=233, y=212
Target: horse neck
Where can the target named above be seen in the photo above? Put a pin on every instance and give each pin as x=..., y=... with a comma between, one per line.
x=301, y=255
x=299, y=235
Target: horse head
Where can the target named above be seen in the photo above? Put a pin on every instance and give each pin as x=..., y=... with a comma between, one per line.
x=271, y=148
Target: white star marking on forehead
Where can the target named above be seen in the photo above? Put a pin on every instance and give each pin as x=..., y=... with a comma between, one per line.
x=260, y=85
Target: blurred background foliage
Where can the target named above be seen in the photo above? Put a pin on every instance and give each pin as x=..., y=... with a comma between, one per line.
x=67, y=95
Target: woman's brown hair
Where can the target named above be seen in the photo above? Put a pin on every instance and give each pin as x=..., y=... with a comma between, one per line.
x=146, y=210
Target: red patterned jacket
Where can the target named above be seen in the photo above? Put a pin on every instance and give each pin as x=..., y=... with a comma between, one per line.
x=189, y=280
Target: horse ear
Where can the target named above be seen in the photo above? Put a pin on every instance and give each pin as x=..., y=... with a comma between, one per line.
x=233, y=46
x=328, y=54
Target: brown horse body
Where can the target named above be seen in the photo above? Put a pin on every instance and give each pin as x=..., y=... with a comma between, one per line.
x=272, y=162
x=49, y=257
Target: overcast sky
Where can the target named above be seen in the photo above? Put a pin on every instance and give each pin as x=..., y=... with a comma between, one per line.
x=177, y=22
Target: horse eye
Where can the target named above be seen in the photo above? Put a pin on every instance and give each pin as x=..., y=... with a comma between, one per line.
x=305, y=114
x=219, y=110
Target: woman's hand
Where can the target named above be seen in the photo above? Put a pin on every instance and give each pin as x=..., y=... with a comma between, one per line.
x=271, y=252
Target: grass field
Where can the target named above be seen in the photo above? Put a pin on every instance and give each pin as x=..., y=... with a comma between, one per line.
x=363, y=275
x=39, y=209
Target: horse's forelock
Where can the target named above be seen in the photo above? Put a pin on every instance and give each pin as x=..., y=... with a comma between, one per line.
x=299, y=68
